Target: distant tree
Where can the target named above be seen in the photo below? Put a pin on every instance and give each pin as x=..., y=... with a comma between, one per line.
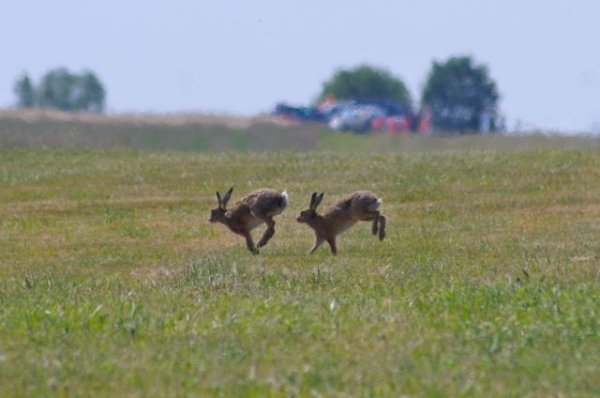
x=57, y=90
x=25, y=92
x=61, y=89
x=366, y=83
x=91, y=94
x=459, y=94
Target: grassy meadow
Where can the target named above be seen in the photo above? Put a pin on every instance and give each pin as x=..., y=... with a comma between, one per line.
x=113, y=283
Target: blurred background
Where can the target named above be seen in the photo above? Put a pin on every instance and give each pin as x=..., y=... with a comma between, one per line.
x=386, y=67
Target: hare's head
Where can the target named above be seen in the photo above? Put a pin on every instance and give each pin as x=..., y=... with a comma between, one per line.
x=310, y=213
x=218, y=214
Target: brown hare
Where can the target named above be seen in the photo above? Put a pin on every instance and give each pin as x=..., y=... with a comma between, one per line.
x=249, y=212
x=358, y=206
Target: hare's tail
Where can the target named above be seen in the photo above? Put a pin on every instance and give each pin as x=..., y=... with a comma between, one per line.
x=284, y=200
x=376, y=205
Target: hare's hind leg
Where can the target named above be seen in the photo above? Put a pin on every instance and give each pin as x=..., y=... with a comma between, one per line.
x=332, y=245
x=378, y=223
x=269, y=232
x=372, y=216
x=382, y=220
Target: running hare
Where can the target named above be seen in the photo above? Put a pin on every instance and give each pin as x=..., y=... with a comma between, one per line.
x=358, y=206
x=249, y=212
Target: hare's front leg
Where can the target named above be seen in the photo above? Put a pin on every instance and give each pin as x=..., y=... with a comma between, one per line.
x=318, y=242
x=250, y=242
x=269, y=232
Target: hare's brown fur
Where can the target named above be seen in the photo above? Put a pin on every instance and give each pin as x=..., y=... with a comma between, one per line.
x=358, y=206
x=249, y=212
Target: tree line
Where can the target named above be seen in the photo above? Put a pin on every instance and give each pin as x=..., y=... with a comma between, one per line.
x=459, y=93
x=61, y=89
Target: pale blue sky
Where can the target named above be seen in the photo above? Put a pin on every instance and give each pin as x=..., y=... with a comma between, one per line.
x=241, y=57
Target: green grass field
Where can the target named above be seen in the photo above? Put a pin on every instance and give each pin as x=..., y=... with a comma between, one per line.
x=113, y=283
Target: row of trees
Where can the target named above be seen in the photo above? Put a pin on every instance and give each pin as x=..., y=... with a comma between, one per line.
x=459, y=93
x=61, y=89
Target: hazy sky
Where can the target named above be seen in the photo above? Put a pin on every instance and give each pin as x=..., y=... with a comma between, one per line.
x=242, y=57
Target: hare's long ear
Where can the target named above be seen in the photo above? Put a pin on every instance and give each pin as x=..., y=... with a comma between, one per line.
x=318, y=200
x=226, y=197
x=312, y=200
x=219, y=198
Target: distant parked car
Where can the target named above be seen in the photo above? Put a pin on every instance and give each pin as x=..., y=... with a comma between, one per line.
x=355, y=118
x=299, y=113
x=352, y=115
